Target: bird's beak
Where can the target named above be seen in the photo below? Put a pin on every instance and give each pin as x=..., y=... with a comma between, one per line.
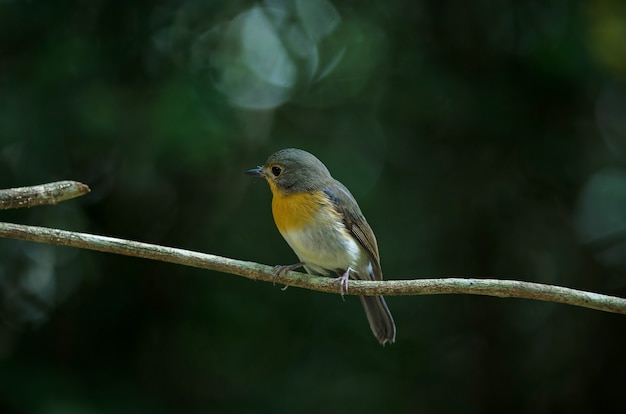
x=257, y=172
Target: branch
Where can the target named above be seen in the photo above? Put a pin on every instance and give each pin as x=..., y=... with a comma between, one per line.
x=256, y=271
x=38, y=195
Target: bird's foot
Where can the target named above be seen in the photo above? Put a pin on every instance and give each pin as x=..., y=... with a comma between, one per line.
x=343, y=282
x=280, y=270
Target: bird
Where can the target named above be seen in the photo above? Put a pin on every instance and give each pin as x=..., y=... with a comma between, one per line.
x=322, y=223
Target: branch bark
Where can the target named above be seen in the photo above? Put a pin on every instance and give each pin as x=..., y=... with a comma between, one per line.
x=39, y=195
x=256, y=271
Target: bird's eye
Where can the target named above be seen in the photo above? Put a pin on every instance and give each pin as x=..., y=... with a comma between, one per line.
x=276, y=171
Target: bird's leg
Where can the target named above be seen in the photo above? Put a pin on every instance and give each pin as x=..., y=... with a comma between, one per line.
x=343, y=282
x=279, y=270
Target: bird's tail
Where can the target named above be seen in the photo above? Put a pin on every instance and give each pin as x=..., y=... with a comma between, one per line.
x=380, y=318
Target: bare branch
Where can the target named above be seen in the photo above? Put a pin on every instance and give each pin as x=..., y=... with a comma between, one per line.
x=256, y=271
x=64, y=190
x=38, y=195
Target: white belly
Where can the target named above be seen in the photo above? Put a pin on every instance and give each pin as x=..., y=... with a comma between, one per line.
x=326, y=250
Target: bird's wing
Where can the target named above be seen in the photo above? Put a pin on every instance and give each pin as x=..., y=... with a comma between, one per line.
x=345, y=204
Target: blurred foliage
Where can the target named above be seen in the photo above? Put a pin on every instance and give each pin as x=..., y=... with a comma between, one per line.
x=482, y=139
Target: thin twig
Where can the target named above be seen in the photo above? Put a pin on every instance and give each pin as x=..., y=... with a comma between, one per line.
x=256, y=271
x=38, y=195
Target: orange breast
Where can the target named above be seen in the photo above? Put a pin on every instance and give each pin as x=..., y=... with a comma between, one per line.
x=295, y=211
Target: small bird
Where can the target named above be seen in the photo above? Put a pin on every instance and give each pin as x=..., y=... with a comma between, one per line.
x=323, y=224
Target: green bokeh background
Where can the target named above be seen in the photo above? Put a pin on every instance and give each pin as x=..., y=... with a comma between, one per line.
x=470, y=132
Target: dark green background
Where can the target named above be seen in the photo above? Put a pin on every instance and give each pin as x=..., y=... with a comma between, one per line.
x=482, y=139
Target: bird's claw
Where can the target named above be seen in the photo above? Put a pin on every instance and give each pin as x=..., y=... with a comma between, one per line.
x=279, y=270
x=343, y=282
